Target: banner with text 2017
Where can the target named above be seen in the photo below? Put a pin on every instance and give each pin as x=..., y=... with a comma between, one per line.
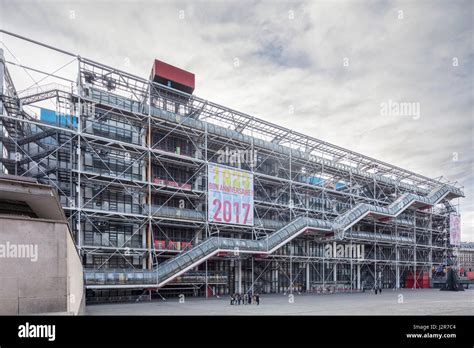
x=455, y=229
x=230, y=195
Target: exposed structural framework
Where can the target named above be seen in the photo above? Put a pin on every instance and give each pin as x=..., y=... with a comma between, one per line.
x=168, y=191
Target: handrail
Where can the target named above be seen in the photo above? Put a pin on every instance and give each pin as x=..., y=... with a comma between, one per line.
x=200, y=252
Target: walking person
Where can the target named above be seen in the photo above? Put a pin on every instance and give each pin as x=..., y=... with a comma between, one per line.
x=250, y=298
x=232, y=299
x=239, y=298
x=257, y=299
x=245, y=299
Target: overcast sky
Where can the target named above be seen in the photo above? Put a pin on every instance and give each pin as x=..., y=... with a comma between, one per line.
x=333, y=63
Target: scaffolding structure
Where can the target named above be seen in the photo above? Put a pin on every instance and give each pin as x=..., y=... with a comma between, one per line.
x=129, y=160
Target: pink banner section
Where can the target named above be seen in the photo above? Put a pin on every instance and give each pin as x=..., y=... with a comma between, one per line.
x=230, y=195
x=455, y=229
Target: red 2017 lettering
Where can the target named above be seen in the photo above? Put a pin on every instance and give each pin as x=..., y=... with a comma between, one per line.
x=219, y=206
x=227, y=211
x=246, y=207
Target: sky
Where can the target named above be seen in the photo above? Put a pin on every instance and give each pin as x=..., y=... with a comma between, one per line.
x=328, y=69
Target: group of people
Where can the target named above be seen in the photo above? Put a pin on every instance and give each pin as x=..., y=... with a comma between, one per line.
x=237, y=299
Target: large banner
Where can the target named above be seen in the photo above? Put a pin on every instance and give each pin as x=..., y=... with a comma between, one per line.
x=455, y=229
x=230, y=195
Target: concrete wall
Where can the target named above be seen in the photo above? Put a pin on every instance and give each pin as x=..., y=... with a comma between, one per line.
x=75, y=279
x=45, y=285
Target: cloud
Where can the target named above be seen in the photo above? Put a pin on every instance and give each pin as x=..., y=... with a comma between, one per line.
x=291, y=54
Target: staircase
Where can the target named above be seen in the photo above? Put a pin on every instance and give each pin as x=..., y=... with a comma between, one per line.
x=361, y=210
x=22, y=133
x=172, y=268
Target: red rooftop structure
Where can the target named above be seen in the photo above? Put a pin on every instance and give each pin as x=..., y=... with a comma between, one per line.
x=171, y=76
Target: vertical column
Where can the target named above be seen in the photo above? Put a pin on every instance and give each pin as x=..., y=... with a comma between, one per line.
x=397, y=258
x=148, y=147
x=253, y=164
x=308, y=281
x=207, y=285
x=430, y=226
x=291, y=188
x=414, y=251
x=79, y=155
x=239, y=276
x=291, y=269
x=144, y=241
x=275, y=280
x=207, y=180
x=147, y=178
x=375, y=264
x=397, y=269
x=198, y=181
x=324, y=271
x=252, y=276
x=358, y=276
x=2, y=72
x=352, y=274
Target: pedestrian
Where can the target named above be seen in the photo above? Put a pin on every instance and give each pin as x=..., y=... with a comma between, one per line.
x=376, y=289
x=380, y=290
x=239, y=298
x=232, y=299
x=250, y=298
x=245, y=298
x=257, y=299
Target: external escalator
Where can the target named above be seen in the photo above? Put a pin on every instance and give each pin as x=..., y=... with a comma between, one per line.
x=191, y=258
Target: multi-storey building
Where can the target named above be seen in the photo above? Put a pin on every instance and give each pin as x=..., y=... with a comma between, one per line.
x=168, y=191
x=466, y=257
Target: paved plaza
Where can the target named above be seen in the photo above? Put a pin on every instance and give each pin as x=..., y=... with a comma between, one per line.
x=390, y=302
